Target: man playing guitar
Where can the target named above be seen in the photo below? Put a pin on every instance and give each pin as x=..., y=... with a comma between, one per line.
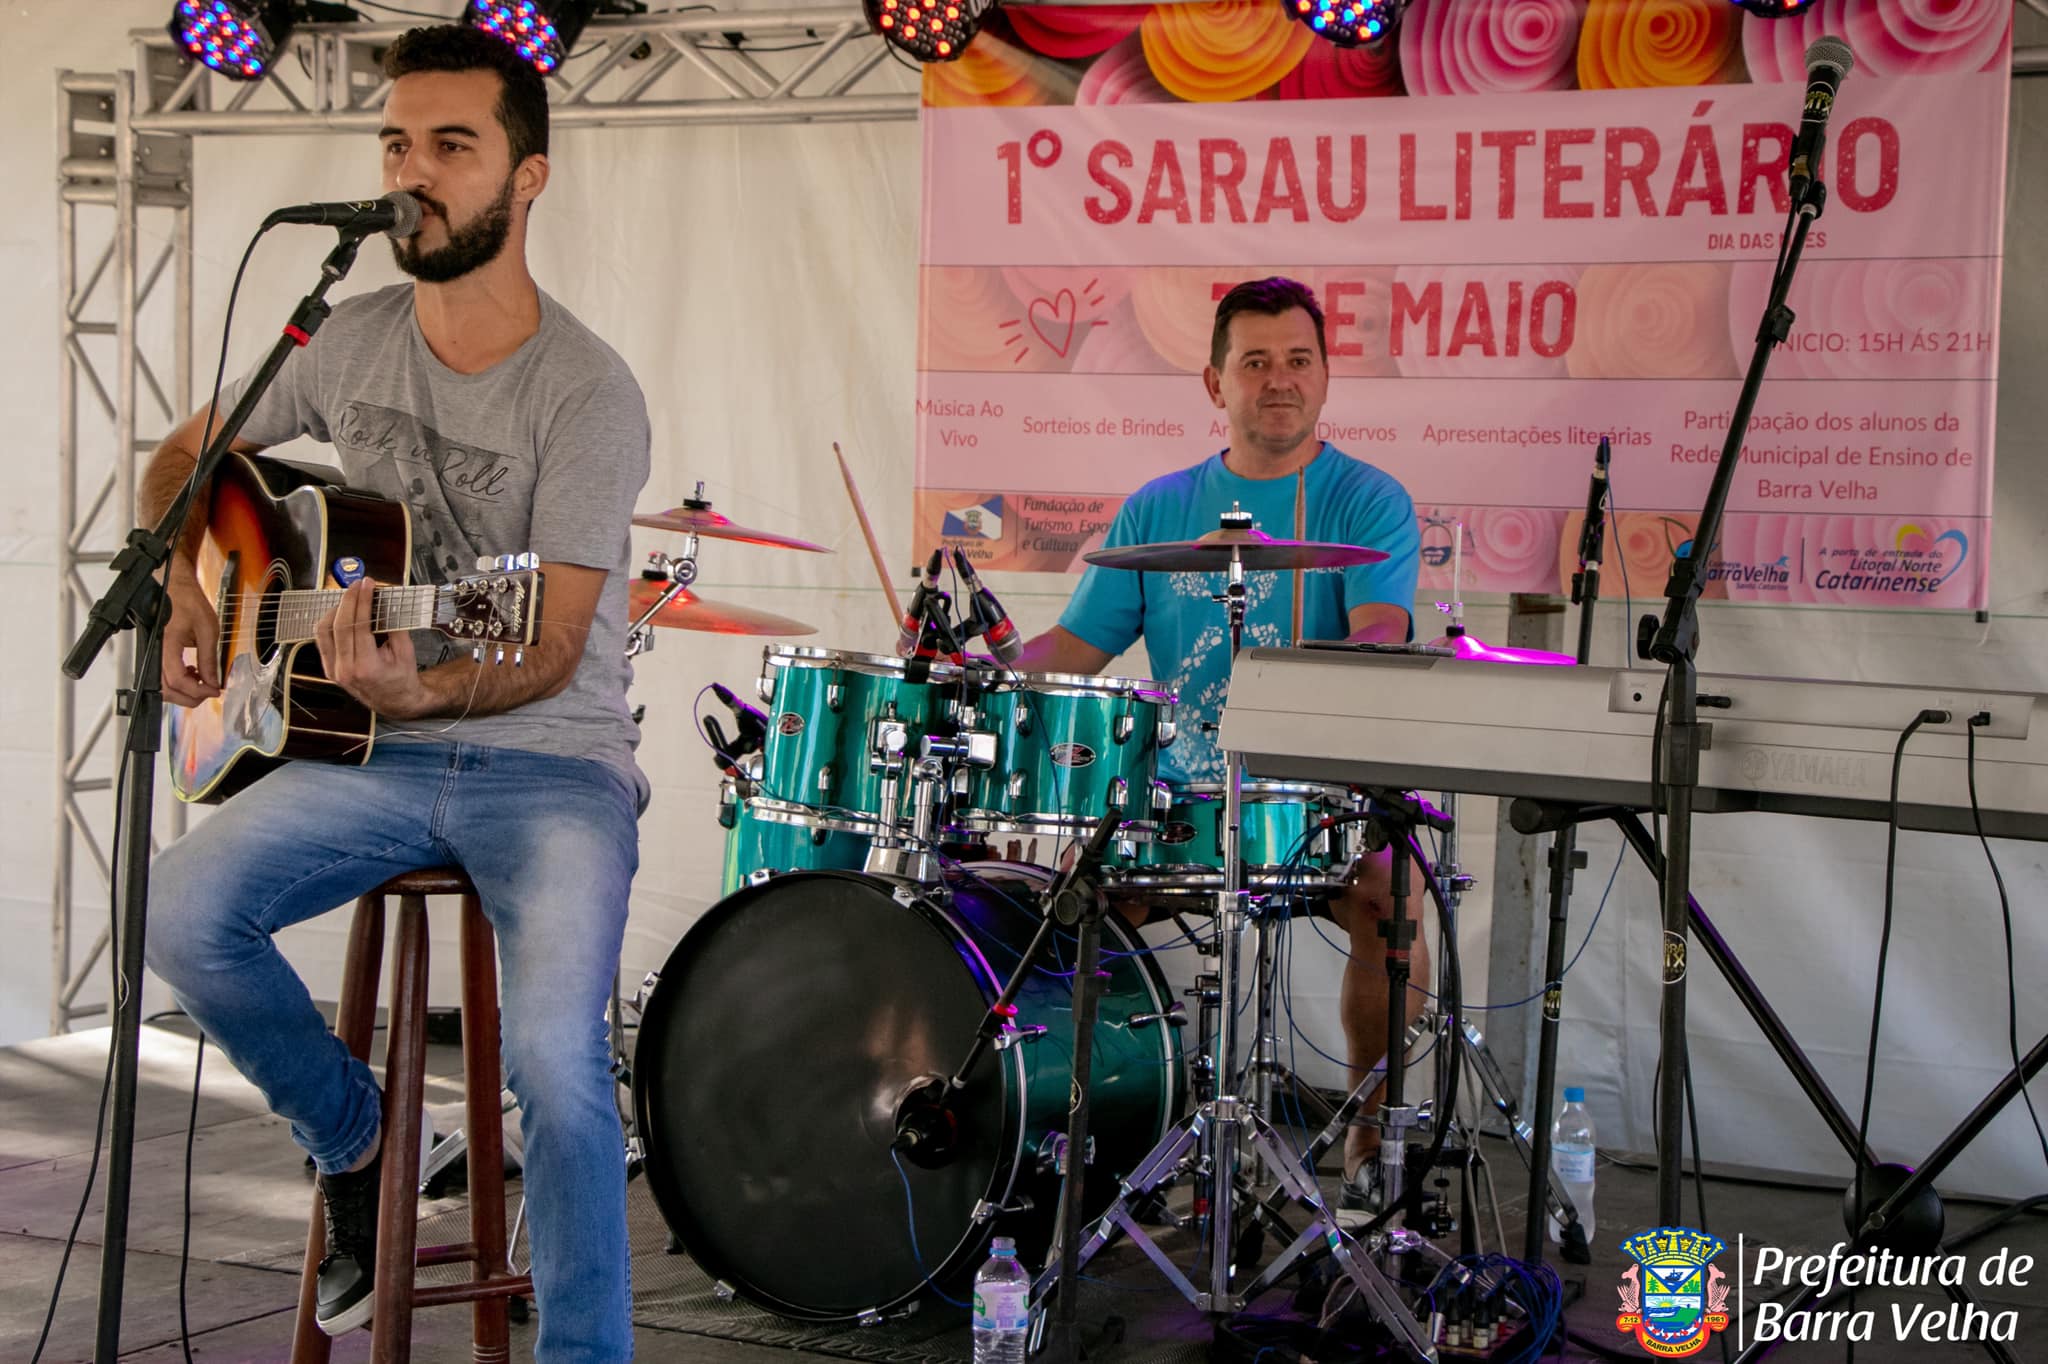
x=503, y=424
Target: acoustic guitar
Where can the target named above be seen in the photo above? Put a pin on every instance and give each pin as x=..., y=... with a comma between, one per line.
x=282, y=542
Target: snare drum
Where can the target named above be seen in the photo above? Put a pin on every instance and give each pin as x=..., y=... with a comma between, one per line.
x=1279, y=838
x=1069, y=747
x=830, y=713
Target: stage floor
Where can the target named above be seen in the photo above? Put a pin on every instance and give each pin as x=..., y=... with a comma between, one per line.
x=250, y=1201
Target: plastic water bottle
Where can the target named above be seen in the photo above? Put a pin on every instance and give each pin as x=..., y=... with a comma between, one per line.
x=1002, y=1306
x=1571, y=1159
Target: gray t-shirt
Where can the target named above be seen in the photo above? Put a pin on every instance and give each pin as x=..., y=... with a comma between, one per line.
x=547, y=450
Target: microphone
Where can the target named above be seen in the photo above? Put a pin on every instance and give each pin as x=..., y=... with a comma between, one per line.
x=397, y=214
x=912, y=629
x=1828, y=60
x=1069, y=897
x=753, y=724
x=1590, y=531
x=996, y=626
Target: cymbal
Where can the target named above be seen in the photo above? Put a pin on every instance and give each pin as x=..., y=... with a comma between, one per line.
x=1473, y=647
x=691, y=612
x=1258, y=551
x=695, y=517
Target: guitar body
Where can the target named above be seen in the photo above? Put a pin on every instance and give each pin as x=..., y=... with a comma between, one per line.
x=272, y=528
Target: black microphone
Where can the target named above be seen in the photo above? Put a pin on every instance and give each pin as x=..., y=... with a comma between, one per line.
x=912, y=629
x=1596, y=514
x=397, y=214
x=1068, y=897
x=996, y=626
x=753, y=724
x=1828, y=60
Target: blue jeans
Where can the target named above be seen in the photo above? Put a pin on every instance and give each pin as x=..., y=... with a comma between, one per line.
x=551, y=844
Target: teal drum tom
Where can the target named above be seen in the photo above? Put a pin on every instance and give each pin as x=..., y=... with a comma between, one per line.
x=832, y=716
x=1281, y=839
x=794, y=1022
x=1068, y=747
x=757, y=847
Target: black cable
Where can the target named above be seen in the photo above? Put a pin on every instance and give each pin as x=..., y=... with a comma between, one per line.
x=1699, y=1178
x=91, y=1173
x=185, y=1244
x=151, y=647
x=1884, y=948
x=2012, y=997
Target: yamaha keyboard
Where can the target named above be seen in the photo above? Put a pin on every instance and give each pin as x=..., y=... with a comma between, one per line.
x=1425, y=722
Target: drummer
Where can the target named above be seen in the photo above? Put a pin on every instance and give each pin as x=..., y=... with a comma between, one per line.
x=1269, y=373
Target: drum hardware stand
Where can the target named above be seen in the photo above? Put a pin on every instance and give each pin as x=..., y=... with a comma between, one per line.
x=1210, y=1141
x=679, y=570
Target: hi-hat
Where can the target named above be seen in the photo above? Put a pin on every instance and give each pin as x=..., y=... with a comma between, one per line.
x=695, y=517
x=1256, y=550
x=688, y=611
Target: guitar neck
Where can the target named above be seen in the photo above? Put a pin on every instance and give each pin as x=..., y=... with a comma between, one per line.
x=391, y=608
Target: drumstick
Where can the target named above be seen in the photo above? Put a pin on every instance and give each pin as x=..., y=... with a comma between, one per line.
x=1300, y=533
x=868, y=532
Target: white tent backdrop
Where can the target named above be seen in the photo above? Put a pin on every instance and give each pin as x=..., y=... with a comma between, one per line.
x=762, y=284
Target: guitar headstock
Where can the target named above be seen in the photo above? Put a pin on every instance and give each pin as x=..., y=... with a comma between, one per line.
x=496, y=608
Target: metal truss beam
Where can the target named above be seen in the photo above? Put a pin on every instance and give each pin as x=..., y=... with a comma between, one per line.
x=124, y=288
x=815, y=65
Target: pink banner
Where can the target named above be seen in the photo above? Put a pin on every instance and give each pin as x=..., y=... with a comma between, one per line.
x=1576, y=242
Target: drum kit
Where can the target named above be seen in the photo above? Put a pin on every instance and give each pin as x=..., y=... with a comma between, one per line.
x=797, y=1063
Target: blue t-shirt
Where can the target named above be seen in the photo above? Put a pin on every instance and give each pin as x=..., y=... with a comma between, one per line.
x=1186, y=633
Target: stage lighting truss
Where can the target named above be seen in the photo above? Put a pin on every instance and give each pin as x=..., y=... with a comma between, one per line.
x=541, y=31
x=1348, y=23
x=929, y=30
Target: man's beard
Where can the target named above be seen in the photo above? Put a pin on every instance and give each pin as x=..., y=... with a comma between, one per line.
x=469, y=247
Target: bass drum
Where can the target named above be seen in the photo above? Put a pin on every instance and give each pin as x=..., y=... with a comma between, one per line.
x=787, y=1024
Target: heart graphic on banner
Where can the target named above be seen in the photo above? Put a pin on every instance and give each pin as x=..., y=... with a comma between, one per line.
x=1054, y=317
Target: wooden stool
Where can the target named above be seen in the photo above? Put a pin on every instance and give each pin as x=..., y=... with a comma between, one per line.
x=397, y=1292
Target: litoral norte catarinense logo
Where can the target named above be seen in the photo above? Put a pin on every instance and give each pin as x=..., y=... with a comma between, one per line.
x=1673, y=1298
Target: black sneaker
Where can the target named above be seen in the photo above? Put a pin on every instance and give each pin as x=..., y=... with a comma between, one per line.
x=342, y=1297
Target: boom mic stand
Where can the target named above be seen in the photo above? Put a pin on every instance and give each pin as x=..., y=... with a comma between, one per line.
x=138, y=601
x=1673, y=642
x=1565, y=858
x=925, y=1125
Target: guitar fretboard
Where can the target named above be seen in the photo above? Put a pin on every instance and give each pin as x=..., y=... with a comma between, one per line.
x=391, y=608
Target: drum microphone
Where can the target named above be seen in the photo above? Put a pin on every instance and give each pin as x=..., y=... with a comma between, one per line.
x=1828, y=60
x=1591, y=538
x=990, y=618
x=1070, y=896
x=397, y=214
x=912, y=630
x=753, y=725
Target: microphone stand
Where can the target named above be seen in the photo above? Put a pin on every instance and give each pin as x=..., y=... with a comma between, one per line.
x=137, y=600
x=1674, y=641
x=1565, y=858
x=926, y=1124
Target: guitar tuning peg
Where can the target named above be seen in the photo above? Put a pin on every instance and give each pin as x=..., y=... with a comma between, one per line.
x=476, y=655
x=519, y=658
x=527, y=560
x=484, y=562
x=500, y=659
